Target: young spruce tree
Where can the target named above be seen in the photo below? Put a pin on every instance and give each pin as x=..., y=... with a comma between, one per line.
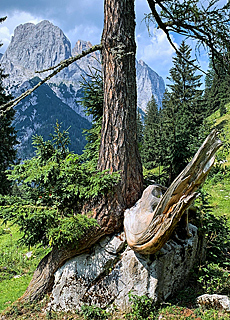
x=217, y=89
x=182, y=113
x=151, y=150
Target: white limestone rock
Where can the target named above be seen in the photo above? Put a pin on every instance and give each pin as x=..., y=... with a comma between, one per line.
x=107, y=274
x=216, y=301
x=149, y=84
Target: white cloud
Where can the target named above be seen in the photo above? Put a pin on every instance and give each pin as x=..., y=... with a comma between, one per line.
x=5, y=36
x=88, y=33
x=157, y=52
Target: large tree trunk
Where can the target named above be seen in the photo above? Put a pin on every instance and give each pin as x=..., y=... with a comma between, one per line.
x=118, y=151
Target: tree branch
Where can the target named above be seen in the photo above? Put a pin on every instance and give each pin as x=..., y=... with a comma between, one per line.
x=149, y=224
x=63, y=64
x=208, y=25
x=163, y=27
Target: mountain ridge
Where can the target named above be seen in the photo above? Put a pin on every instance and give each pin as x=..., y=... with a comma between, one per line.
x=38, y=47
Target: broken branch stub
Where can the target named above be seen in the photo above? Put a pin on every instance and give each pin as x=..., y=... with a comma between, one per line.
x=149, y=224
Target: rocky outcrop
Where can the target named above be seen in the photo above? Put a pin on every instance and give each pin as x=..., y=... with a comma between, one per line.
x=36, y=47
x=107, y=274
x=215, y=301
x=149, y=84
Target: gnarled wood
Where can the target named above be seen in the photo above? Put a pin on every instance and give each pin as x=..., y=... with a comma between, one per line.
x=149, y=224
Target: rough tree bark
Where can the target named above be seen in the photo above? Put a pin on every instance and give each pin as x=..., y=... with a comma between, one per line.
x=118, y=150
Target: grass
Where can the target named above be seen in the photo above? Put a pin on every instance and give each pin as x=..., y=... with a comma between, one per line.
x=182, y=313
x=37, y=310
x=17, y=264
x=16, y=268
x=218, y=186
x=12, y=289
x=219, y=197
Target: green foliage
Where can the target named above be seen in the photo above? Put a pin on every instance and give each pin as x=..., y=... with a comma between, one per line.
x=172, y=312
x=93, y=313
x=92, y=101
x=16, y=266
x=205, y=22
x=8, y=138
x=51, y=189
x=172, y=135
x=214, y=279
x=14, y=262
x=70, y=229
x=216, y=231
x=152, y=151
x=142, y=308
x=212, y=275
x=217, y=89
x=182, y=114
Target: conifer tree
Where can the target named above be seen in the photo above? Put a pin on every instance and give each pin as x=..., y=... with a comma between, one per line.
x=217, y=89
x=182, y=113
x=92, y=103
x=139, y=130
x=8, y=137
x=151, y=149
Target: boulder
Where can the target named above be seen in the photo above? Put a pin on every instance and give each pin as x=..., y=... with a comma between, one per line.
x=106, y=275
x=215, y=301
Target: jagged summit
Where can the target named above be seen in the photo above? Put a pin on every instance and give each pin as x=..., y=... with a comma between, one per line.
x=80, y=46
x=40, y=46
x=36, y=47
x=149, y=83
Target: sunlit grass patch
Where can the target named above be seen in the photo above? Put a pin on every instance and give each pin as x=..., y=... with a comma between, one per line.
x=12, y=289
x=17, y=264
x=176, y=312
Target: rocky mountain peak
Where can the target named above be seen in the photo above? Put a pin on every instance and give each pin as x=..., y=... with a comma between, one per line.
x=149, y=84
x=80, y=46
x=37, y=47
x=142, y=63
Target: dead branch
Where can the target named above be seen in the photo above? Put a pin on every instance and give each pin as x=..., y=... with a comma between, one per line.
x=150, y=223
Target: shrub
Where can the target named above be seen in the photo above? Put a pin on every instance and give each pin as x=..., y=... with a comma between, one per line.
x=93, y=313
x=142, y=308
x=50, y=191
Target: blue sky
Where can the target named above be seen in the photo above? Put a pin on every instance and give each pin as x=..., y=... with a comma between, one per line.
x=84, y=20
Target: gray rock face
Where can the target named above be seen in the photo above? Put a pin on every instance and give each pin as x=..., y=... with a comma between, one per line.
x=216, y=301
x=40, y=46
x=149, y=84
x=36, y=47
x=107, y=274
